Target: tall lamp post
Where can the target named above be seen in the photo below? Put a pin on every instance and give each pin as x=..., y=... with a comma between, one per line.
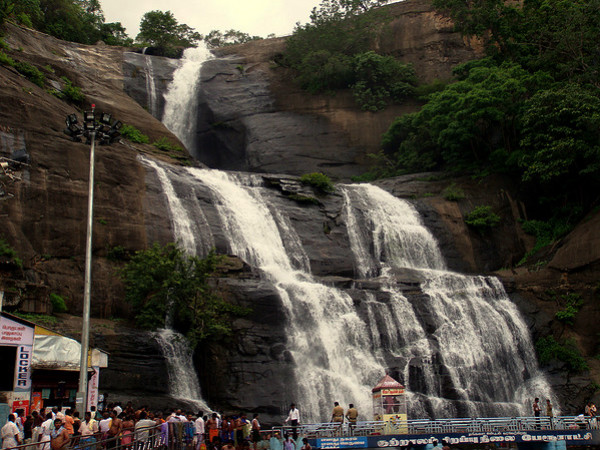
x=102, y=128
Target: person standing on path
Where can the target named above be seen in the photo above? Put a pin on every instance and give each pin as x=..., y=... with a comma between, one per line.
x=60, y=436
x=255, y=430
x=294, y=419
x=352, y=416
x=337, y=415
x=10, y=433
x=536, y=412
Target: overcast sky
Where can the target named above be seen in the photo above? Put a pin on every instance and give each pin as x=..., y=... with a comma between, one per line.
x=255, y=17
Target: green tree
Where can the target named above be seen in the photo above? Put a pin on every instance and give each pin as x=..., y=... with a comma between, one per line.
x=474, y=122
x=217, y=38
x=115, y=34
x=558, y=36
x=25, y=12
x=561, y=141
x=165, y=280
x=381, y=80
x=161, y=29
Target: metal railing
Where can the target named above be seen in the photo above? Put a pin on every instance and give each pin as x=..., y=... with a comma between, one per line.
x=437, y=426
x=180, y=435
x=169, y=436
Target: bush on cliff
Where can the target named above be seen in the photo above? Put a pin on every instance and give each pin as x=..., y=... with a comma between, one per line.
x=164, y=281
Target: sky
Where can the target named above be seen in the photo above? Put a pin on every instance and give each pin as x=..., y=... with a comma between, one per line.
x=255, y=17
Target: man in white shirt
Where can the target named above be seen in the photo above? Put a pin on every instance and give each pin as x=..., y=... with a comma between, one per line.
x=199, y=429
x=294, y=418
x=10, y=433
x=104, y=424
x=47, y=427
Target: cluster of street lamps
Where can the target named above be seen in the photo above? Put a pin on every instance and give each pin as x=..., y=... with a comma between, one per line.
x=99, y=127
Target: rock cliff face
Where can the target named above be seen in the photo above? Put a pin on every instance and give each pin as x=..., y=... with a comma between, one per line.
x=251, y=119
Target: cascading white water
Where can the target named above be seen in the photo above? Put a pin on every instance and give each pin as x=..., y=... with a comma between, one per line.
x=183, y=380
x=150, y=86
x=329, y=342
x=181, y=99
x=480, y=337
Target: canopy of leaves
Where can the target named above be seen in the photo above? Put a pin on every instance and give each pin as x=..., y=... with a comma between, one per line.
x=559, y=36
x=71, y=20
x=217, y=38
x=333, y=52
x=472, y=123
x=162, y=30
x=165, y=282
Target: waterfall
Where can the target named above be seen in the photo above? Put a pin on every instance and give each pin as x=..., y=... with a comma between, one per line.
x=183, y=380
x=181, y=99
x=465, y=326
x=328, y=340
x=457, y=342
x=150, y=86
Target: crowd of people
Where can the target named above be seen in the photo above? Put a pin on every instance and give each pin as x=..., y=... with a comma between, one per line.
x=56, y=429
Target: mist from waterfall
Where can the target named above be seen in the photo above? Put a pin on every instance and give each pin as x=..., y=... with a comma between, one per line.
x=472, y=329
x=181, y=99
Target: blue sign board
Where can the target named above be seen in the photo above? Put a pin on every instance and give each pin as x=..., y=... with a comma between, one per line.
x=570, y=437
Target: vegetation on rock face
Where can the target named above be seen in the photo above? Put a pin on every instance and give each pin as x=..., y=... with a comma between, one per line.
x=165, y=281
x=573, y=303
x=549, y=349
x=319, y=181
x=58, y=303
x=528, y=110
x=333, y=52
x=8, y=252
x=134, y=135
x=482, y=218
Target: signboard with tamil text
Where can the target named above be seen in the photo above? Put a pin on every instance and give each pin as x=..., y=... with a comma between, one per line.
x=571, y=437
x=14, y=333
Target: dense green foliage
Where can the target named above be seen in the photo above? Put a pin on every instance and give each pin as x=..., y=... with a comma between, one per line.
x=333, y=52
x=573, y=302
x=482, y=218
x=69, y=92
x=319, y=181
x=549, y=349
x=166, y=146
x=165, y=281
x=217, y=38
x=132, y=134
x=58, y=303
x=8, y=252
x=72, y=20
x=530, y=109
x=162, y=30
x=453, y=193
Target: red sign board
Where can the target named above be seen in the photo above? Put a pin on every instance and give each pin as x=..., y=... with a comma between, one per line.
x=21, y=404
